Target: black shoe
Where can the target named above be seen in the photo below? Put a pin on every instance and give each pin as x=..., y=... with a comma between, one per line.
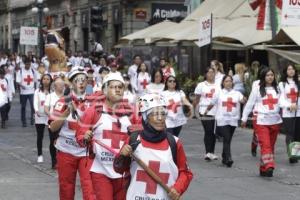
x=227, y=162
x=293, y=160
x=267, y=173
x=253, y=152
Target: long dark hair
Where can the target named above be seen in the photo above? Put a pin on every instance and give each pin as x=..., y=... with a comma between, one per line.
x=126, y=78
x=177, y=86
x=139, y=68
x=262, y=83
x=154, y=71
x=42, y=85
x=223, y=79
x=285, y=76
x=206, y=71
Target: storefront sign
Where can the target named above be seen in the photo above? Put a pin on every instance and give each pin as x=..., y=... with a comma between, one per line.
x=140, y=13
x=290, y=13
x=161, y=12
x=29, y=35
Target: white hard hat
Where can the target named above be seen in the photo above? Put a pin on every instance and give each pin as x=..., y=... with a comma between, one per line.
x=113, y=77
x=149, y=101
x=76, y=70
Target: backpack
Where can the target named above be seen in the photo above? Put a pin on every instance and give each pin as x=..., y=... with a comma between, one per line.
x=133, y=142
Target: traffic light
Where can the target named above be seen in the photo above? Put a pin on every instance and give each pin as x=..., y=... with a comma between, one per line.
x=96, y=19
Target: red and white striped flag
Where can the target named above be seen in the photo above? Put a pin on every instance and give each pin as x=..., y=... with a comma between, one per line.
x=263, y=19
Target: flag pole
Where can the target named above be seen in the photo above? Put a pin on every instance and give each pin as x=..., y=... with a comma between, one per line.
x=273, y=17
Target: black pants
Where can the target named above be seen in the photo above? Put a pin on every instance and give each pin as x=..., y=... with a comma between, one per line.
x=227, y=133
x=208, y=123
x=23, y=101
x=40, y=135
x=3, y=112
x=175, y=131
x=52, y=136
x=291, y=128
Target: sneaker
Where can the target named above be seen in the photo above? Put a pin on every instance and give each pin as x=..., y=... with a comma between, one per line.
x=213, y=156
x=40, y=159
x=207, y=157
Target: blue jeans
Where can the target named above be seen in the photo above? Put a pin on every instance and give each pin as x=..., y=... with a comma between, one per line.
x=23, y=101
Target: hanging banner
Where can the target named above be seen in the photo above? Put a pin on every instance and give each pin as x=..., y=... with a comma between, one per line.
x=29, y=35
x=205, y=31
x=290, y=13
x=263, y=18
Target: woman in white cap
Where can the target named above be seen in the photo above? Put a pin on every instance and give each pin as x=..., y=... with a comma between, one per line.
x=159, y=150
x=71, y=158
x=104, y=127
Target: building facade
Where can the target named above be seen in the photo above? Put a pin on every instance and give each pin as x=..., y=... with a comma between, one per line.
x=73, y=19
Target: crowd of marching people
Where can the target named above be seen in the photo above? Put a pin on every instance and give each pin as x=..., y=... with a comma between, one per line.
x=120, y=129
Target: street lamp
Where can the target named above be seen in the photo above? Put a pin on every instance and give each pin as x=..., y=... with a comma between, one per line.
x=40, y=8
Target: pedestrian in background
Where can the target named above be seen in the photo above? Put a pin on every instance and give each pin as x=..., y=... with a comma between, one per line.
x=175, y=100
x=266, y=96
x=157, y=82
x=289, y=100
x=228, y=103
x=52, y=98
x=41, y=118
x=205, y=92
x=143, y=79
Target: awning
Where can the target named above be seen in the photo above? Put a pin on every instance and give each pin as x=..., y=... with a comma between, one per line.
x=293, y=56
x=149, y=32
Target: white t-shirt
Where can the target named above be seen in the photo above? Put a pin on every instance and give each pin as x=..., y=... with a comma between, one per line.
x=218, y=78
x=3, y=100
x=51, y=100
x=143, y=80
x=267, y=107
x=228, y=107
x=26, y=78
x=130, y=97
x=4, y=87
x=175, y=115
x=39, y=107
x=207, y=93
x=288, y=95
x=132, y=73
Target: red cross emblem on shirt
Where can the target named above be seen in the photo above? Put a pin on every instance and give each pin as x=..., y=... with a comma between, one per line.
x=229, y=104
x=292, y=95
x=151, y=185
x=173, y=105
x=3, y=88
x=270, y=101
x=211, y=94
x=144, y=83
x=28, y=79
x=115, y=135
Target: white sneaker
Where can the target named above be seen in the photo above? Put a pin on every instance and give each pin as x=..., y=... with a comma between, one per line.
x=40, y=159
x=213, y=156
x=207, y=157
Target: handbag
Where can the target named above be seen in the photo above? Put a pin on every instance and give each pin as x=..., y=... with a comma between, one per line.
x=294, y=150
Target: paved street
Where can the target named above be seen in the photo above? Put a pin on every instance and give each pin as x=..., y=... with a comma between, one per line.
x=21, y=178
